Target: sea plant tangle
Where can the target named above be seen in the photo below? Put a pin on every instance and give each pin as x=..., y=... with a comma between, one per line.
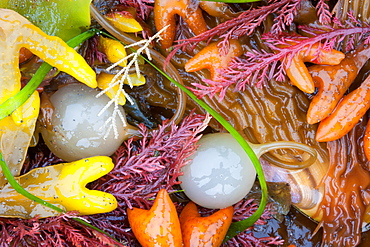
x=247, y=22
x=256, y=67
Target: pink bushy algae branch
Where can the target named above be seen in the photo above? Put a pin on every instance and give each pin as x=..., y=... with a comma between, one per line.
x=244, y=24
x=129, y=182
x=247, y=22
x=141, y=170
x=61, y=230
x=154, y=162
x=256, y=67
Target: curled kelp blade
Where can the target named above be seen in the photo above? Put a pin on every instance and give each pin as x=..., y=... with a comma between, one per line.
x=346, y=190
x=62, y=185
x=15, y=136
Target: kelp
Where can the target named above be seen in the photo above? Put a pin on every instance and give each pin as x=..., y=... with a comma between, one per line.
x=275, y=112
x=346, y=188
x=278, y=111
x=261, y=113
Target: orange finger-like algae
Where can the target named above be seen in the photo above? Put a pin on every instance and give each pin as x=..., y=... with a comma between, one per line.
x=62, y=185
x=346, y=115
x=24, y=55
x=333, y=81
x=297, y=71
x=212, y=59
x=159, y=226
x=165, y=12
x=204, y=231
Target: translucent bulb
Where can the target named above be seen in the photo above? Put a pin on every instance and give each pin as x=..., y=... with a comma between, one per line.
x=77, y=131
x=220, y=173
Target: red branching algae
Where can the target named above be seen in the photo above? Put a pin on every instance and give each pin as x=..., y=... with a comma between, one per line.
x=323, y=12
x=143, y=7
x=143, y=167
x=39, y=156
x=244, y=24
x=92, y=53
x=50, y=232
x=256, y=67
x=154, y=163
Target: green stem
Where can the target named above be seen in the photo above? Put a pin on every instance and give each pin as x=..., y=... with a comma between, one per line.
x=13, y=182
x=11, y=104
x=236, y=227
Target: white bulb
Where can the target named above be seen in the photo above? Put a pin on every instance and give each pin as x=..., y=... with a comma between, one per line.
x=220, y=173
x=76, y=129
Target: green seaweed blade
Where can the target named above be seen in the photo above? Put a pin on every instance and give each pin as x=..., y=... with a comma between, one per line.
x=63, y=18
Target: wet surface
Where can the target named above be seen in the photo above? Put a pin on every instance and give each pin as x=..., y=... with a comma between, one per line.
x=297, y=229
